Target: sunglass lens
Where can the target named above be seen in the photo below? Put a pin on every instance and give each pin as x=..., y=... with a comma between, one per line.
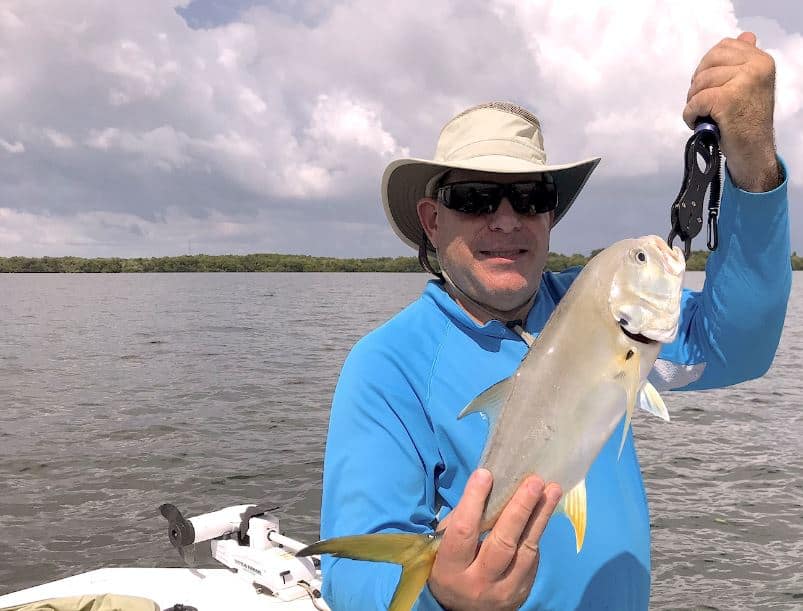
x=533, y=197
x=528, y=198
x=474, y=198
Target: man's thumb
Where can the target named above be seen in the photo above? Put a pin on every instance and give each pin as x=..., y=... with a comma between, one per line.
x=748, y=37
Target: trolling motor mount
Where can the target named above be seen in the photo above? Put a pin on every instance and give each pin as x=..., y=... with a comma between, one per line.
x=246, y=538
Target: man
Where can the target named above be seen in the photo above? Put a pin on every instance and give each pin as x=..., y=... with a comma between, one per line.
x=397, y=457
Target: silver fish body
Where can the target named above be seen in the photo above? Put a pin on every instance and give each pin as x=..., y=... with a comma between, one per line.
x=557, y=411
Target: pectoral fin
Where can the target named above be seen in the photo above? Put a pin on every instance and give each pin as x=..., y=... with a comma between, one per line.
x=573, y=506
x=632, y=376
x=490, y=402
x=650, y=401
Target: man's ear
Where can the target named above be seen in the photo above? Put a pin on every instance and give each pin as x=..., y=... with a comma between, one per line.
x=427, y=209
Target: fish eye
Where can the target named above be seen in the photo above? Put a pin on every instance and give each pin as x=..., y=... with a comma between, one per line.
x=641, y=256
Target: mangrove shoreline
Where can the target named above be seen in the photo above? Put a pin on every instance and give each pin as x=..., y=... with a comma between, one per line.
x=268, y=262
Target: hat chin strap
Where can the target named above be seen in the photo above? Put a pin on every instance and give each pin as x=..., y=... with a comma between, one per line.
x=493, y=313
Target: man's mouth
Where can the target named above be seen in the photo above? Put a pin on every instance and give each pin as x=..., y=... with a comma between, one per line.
x=507, y=253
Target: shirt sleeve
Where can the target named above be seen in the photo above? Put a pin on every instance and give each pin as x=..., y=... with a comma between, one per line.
x=375, y=478
x=730, y=330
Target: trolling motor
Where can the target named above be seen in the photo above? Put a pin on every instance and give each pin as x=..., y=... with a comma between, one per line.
x=246, y=538
x=703, y=172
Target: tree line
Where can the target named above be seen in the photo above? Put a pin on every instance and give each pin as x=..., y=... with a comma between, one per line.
x=269, y=262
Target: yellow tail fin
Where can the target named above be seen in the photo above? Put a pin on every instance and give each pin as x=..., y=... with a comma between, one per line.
x=416, y=554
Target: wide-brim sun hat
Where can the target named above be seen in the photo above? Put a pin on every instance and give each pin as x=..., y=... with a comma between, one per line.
x=498, y=137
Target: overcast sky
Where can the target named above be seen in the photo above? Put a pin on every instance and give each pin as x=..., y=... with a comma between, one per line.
x=144, y=128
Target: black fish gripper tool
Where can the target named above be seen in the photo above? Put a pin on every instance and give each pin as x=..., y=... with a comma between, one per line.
x=702, y=172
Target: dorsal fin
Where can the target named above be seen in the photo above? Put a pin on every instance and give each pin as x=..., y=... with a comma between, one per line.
x=490, y=401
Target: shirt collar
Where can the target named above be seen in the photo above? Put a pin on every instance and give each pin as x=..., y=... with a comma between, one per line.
x=536, y=318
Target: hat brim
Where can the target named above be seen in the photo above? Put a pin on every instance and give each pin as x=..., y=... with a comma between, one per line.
x=405, y=180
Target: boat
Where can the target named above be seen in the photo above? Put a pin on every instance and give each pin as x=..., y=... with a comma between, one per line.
x=262, y=571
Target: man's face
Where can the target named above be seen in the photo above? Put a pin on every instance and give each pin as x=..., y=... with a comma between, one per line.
x=496, y=259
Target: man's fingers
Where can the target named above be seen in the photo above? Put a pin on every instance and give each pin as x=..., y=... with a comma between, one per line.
x=499, y=547
x=546, y=507
x=525, y=563
x=727, y=52
x=715, y=76
x=459, y=545
x=701, y=104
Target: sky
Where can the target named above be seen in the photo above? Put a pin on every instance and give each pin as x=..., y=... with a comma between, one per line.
x=154, y=128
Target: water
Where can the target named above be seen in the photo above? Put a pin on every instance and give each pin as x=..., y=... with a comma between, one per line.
x=121, y=392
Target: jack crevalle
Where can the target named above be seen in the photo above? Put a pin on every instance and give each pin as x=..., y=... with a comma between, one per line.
x=586, y=371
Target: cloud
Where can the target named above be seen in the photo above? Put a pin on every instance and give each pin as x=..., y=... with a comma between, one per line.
x=340, y=120
x=267, y=126
x=57, y=139
x=12, y=147
x=109, y=234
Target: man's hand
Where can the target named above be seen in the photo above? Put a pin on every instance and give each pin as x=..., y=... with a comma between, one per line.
x=499, y=572
x=735, y=85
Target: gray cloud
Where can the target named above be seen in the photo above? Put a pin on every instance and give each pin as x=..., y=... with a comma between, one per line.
x=138, y=129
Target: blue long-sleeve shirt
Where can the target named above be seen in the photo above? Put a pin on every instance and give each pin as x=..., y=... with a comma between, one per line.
x=398, y=459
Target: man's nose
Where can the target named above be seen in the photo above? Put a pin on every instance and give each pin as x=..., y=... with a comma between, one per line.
x=505, y=218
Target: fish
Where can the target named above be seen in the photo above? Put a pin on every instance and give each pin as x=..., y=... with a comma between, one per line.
x=585, y=371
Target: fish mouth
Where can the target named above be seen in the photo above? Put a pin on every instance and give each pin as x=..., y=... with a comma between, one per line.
x=637, y=337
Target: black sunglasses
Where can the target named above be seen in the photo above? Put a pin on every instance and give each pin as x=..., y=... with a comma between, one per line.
x=528, y=198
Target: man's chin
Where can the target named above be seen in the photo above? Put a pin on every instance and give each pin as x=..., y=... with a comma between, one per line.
x=502, y=288
x=509, y=275
x=510, y=284
x=510, y=298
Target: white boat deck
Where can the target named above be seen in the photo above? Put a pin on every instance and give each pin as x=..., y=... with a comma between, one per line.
x=204, y=589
